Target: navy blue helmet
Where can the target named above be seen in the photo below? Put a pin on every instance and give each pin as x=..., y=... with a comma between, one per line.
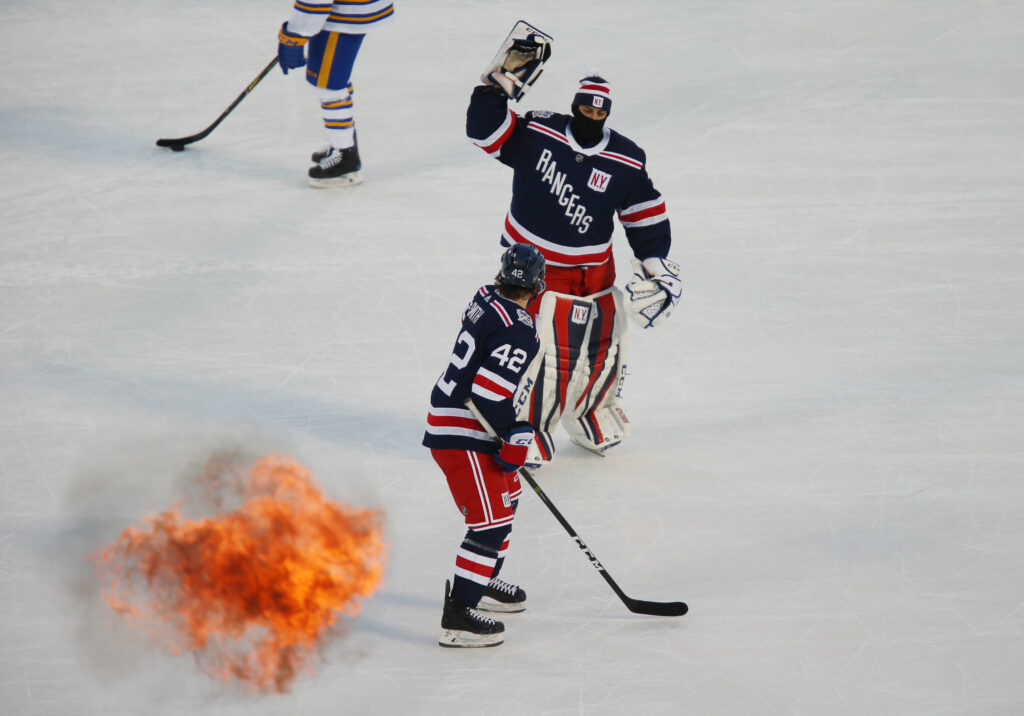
x=523, y=265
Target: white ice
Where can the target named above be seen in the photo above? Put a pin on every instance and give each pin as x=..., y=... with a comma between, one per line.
x=827, y=454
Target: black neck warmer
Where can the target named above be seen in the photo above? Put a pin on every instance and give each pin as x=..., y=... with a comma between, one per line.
x=586, y=131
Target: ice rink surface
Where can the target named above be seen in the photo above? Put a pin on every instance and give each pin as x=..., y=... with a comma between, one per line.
x=827, y=459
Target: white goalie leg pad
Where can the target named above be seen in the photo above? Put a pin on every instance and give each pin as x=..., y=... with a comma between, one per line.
x=563, y=324
x=596, y=421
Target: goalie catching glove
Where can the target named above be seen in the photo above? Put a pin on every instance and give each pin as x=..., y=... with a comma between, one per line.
x=512, y=452
x=519, y=61
x=653, y=291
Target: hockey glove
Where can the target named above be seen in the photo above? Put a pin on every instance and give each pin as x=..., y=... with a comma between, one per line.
x=653, y=292
x=289, y=49
x=523, y=63
x=513, y=450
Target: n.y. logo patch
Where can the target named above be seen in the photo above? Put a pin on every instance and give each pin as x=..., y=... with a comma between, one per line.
x=580, y=314
x=598, y=180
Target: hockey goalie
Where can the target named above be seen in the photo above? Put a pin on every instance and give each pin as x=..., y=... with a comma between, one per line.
x=572, y=176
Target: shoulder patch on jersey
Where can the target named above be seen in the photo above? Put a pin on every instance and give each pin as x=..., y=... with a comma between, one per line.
x=540, y=114
x=473, y=312
x=525, y=317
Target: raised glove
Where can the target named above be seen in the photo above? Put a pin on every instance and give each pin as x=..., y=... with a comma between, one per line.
x=289, y=49
x=512, y=454
x=653, y=291
x=522, y=65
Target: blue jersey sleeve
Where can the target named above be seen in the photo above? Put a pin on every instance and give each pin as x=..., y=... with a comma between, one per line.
x=644, y=217
x=495, y=128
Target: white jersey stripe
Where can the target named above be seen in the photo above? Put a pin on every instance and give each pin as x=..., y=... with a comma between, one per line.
x=641, y=206
x=453, y=413
x=550, y=246
x=494, y=377
x=492, y=143
x=644, y=222
x=458, y=432
x=505, y=318
x=487, y=394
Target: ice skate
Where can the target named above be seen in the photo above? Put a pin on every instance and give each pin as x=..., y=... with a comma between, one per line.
x=464, y=627
x=338, y=169
x=503, y=597
x=322, y=153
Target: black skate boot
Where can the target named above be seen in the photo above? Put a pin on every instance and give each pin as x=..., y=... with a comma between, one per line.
x=503, y=597
x=321, y=154
x=339, y=168
x=464, y=627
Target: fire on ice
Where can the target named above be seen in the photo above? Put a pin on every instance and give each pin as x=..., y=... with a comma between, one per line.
x=253, y=592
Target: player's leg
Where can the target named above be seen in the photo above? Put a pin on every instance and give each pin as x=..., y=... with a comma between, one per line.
x=502, y=596
x=332, y=56
x=483, y=495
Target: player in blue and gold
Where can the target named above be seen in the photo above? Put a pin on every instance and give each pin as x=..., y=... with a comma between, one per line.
x=334, y=32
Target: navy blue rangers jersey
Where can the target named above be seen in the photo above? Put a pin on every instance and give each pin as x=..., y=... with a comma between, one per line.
x=497, y=342
x=564, y=196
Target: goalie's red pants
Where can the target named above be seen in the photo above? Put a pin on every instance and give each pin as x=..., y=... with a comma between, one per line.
x=483, y=493
x=576, y=281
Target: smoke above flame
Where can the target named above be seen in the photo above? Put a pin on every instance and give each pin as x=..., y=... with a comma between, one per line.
x=254, y=591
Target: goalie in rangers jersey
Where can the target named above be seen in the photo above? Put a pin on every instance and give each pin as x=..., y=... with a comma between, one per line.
x=571, y=176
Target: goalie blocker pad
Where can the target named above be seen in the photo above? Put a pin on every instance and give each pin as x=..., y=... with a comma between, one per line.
x=577, y=376
x=519, y=60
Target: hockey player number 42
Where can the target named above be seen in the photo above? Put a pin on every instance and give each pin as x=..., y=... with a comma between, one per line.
x=513, y=362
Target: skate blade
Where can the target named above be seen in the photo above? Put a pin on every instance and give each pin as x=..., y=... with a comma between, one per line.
x=453, y=638
x=350, y=179
x=492, y=605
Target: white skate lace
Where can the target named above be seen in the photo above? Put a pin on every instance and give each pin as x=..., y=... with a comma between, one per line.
x=477, y=616
x=333, y=158
x=503, y=586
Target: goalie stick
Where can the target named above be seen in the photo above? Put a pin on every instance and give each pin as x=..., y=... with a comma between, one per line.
x=637, y=606
x=178, y=145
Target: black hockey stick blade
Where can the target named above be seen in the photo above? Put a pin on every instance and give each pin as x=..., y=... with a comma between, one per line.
x=658, y=609
x=637, y=606
x=178, y=144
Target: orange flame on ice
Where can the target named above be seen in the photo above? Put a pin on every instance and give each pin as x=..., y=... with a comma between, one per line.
x=253, y=592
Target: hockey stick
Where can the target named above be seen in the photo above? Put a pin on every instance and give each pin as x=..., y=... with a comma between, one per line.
x=637, y=606
x=178, y=145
